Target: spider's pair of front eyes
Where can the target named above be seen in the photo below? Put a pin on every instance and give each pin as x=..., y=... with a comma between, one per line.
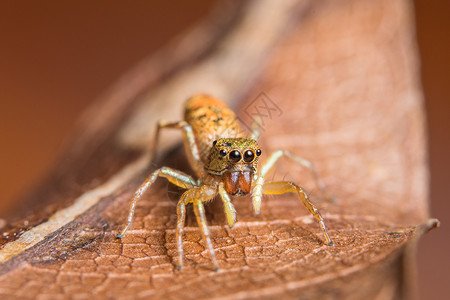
x=235, y=156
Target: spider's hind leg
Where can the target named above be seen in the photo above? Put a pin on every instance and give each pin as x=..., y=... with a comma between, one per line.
x=188, y=141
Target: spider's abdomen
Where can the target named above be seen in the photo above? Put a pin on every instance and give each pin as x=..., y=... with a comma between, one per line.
x=210, y=119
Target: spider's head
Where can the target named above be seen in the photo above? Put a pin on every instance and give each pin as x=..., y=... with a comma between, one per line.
x=236, y=160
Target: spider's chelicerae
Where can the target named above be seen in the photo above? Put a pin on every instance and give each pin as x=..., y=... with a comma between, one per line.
x=226, y=163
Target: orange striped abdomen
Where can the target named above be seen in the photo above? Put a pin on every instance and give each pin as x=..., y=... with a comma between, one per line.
x=210, y=119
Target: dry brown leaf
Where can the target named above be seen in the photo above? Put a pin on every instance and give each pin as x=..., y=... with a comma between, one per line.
x=344, y=78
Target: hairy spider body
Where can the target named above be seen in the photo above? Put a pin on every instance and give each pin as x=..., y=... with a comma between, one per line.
x=225, y=163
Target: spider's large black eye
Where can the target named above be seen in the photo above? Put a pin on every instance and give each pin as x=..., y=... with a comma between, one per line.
x=249, y=156
x=235, y=156
x=258, y=152
x=223, y=152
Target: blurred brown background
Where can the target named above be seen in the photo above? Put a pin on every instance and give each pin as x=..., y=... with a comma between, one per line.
x=56, y=58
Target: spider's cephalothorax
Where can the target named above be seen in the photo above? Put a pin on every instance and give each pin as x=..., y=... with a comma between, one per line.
x=226, y=164
x=235, y=160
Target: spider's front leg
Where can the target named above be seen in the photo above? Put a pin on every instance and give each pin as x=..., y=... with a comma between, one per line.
x=174, y=176
x=282, y=187
x=230, y=212
x=261, y=187
x=196, y=196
